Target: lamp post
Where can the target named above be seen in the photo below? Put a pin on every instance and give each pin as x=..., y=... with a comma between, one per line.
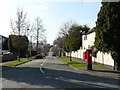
x=31, y=47
x=27, y=32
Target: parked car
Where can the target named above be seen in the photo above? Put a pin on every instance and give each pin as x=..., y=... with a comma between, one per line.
x=6, y=53
x=39, y=56
x=54, y=54
x=43, y=54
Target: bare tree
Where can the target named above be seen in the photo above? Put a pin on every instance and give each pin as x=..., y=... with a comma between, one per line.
x=55, y=49
x=39, y=31
x=20, y=25
x=65, y=27
x=59, y=41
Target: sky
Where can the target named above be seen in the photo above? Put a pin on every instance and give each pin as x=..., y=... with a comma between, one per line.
x=53, y=13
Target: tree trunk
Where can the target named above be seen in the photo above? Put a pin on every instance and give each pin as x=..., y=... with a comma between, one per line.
x=70, y=56
x=117, y=65
x=60, y=53
x=115, y=55
x=19, y=55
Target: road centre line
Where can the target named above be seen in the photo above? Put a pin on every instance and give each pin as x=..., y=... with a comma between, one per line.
x=42, y=65
x=41, y=70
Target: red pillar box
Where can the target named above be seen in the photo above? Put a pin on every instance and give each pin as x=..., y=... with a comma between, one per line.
x=85, y=55
x=89, y=59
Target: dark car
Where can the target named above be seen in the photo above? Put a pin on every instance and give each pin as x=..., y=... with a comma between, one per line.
x=54, y=54
x=43, y=54
x=39, y=56
x=6, y=53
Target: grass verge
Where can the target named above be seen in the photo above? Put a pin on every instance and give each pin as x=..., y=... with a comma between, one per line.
x=105, y=66
x=72, y=63
x=14, y=63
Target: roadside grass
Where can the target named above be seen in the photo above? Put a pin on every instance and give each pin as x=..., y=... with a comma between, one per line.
x=72, y=63
x=14, y=63
x=102, y=65
x=105, y=66
x=78, y=59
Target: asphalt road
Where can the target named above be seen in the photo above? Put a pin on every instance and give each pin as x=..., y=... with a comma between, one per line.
x=51, y=73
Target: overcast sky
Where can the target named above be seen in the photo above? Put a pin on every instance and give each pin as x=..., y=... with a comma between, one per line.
x=54, y=13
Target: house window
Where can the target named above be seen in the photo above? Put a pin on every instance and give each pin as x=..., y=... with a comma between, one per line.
x=88, y=46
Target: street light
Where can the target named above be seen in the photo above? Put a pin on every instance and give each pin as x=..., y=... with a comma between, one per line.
x=27, y=31
x=31, y=47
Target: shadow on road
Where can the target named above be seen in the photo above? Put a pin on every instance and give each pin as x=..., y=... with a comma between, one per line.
x=109, y=71
x=54, y=78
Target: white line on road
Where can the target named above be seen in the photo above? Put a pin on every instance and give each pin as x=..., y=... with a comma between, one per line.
x=41, y=70
x=42, y=65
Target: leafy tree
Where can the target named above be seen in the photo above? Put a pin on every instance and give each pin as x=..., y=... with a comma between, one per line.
x=107, y=30
x=73, y=40
x=18, y=44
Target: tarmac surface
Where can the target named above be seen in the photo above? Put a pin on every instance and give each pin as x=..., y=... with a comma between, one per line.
x=54, y=73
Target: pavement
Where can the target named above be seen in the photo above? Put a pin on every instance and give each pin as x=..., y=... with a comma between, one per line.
x=98, y=70
x=52, y=73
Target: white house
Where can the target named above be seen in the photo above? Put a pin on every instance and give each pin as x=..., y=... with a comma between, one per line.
x=2, y=39
x=103, y=58
x=87, y=42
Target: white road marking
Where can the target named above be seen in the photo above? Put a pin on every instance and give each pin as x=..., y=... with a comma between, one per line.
x=41, y=70
x=42, y=65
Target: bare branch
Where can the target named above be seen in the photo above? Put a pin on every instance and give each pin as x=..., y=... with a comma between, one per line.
x=65, y=27
x=20, y=25
x=38, y=31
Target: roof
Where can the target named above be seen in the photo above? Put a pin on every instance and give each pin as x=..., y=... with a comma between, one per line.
x=3, y=36
x=90, y=31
